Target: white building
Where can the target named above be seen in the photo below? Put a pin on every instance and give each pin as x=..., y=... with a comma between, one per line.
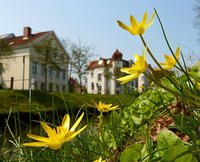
x=22, y=71
x=102, y=75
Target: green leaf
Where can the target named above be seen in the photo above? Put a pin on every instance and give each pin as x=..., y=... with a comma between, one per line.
x=137, y=119
x=187, y=125
x=178, y=153
x=131, y=153
x=166, y=139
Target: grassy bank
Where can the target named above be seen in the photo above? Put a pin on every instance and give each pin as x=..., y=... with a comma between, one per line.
x=21, y=101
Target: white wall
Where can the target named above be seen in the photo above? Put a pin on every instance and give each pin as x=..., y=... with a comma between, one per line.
x=17, y=67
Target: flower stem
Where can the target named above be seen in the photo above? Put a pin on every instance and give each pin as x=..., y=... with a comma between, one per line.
x=173, y=81
x=165, y=37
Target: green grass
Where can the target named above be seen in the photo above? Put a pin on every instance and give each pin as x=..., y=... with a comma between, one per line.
x=18, y=100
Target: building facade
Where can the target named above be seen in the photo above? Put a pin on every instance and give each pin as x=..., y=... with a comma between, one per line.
x=103, y=73
x=22, y=71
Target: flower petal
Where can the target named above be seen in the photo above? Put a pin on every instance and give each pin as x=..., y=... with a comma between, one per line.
x=144, y=19
x=134, y=23
x=136, y=57
x=66, y=122
x=166, y=66
x=38, y=138
x=73, y=134
x=128, y=78
x=122, y=25
x=55, y=144
x=35, y=144
x=48, y=130
x=125, y=70
x=76, y=123
x=151, y=21
x=177, y=53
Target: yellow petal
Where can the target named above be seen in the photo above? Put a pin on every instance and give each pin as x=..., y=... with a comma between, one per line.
x=73, y=134
x=55, y=145
x=136, y=57
x=125, y=70
x=144, y=20
x=134, y=23
x=48, y=130
x=166, y=66
x=38, y=138
x=77, y=123
x=151, y=21
x=122, y=25
x=128, y=78
x=177, y=53
x=66, y=122
x=169, y=59
x=35, y=144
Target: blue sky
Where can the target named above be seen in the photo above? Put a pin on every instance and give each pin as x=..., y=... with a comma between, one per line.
x=95, y=22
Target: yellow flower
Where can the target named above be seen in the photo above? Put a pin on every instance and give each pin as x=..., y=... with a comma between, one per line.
x=137, y=28
x=56, y=137
x=102, y=107
x=137, y=68
x=100, y=160
x=170, y=60
x=198, y=86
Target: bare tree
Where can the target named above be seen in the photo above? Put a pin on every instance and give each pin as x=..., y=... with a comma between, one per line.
x=49, y=56
x=79, y=58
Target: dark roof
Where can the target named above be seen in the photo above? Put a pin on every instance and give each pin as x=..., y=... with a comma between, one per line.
x=117, y=55
x=20, y=40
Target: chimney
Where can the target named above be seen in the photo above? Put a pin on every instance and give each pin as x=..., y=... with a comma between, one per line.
x=27, y=32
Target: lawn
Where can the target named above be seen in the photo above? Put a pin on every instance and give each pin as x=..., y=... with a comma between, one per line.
x=19, y=101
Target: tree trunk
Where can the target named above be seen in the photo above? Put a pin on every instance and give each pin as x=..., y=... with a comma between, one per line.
x=45, y=80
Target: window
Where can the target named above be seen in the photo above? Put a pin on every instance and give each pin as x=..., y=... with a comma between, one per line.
x=50, y=73
x=57, y=74
x=34, y=67
x=63, y=75
x=92, y=86
x=99, y=77
x=92, y=74
x=42, y=70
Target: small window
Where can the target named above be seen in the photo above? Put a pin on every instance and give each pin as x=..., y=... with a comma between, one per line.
x=50, y=73
x=57, y=74
x=34, y=67
x=42, y=70
x=63, y=75
x=99, y=77
x=92, y=74
x=92, y=86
